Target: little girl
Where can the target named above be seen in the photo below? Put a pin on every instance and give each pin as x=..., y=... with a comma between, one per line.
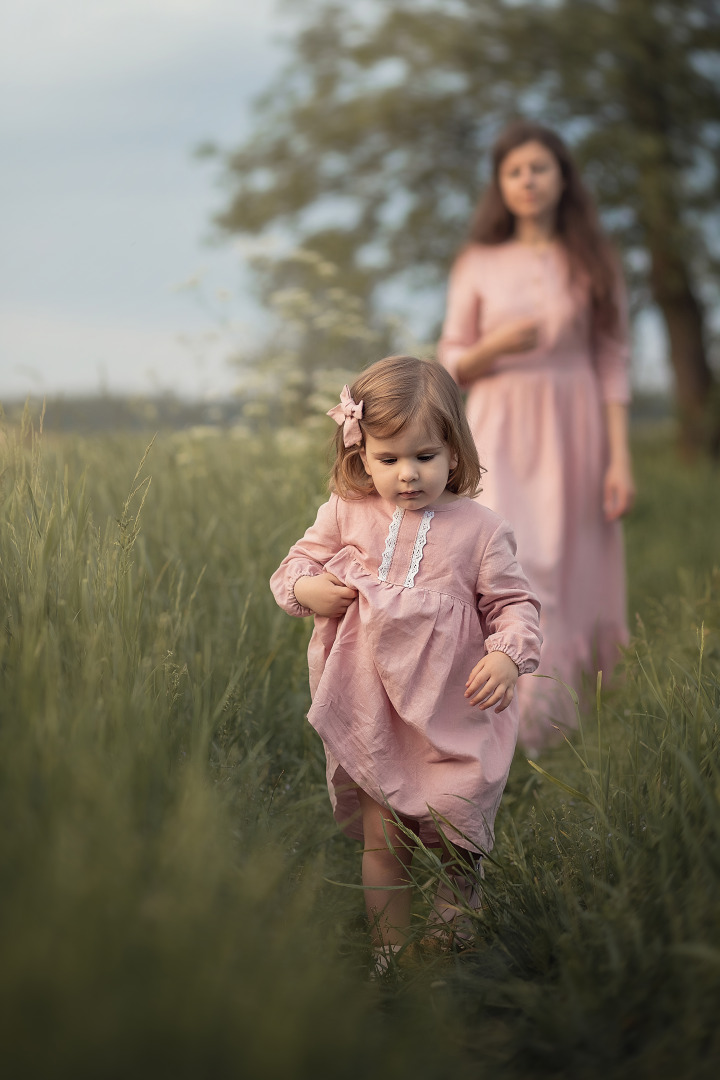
x=423, y=622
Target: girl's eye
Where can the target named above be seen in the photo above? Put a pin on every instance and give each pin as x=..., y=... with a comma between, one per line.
x=425, y=457
x=388, y=460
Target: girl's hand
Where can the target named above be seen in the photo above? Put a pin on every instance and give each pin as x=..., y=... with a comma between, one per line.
x=618, y=490
x=324, y=595
x=492, y=682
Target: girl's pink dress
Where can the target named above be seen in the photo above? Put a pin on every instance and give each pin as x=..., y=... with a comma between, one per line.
x=537, y=419
x=437, y=588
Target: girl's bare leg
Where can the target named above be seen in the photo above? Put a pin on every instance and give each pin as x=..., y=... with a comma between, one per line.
x=387, y=856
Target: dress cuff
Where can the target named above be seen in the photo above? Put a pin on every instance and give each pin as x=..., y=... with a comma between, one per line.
x=525, y=665
x=294, y=607
x=616, y=388
x=448, y=355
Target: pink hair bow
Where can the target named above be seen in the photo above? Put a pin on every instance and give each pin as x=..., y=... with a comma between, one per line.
x=348, y=413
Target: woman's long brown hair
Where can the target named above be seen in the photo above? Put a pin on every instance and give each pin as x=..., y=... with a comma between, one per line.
x=590, y=256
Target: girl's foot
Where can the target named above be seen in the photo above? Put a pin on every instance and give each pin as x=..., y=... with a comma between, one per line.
x=384, y=960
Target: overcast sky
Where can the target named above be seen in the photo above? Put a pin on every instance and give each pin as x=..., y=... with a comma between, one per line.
x=104, y=210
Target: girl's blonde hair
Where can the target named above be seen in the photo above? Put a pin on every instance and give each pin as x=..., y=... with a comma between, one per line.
x=397, y=391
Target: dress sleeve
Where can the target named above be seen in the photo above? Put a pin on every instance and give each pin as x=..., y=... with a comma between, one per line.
x=508, y=607
x=307, y=557
x=611, y=352
x=461, y=328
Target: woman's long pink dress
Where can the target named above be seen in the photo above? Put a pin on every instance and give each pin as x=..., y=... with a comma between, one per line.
x=437, y=589
x=538, y=423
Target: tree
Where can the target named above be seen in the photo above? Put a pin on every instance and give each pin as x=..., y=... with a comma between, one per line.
x=372, y=144
x=322, y=336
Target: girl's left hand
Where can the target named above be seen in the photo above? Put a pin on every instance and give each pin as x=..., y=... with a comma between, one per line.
x=618, y=490
x=492, y=682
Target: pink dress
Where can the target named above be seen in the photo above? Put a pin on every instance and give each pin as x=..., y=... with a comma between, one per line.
x=537, y=419
x=437, y=588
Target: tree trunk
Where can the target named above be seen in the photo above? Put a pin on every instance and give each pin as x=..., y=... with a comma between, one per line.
x=695, y=388
x=656, y=125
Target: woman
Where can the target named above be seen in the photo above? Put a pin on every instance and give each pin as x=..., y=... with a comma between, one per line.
x=536, y=331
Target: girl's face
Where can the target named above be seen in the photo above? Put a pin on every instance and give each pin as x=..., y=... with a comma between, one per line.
x=531, y=182
x=410, y=469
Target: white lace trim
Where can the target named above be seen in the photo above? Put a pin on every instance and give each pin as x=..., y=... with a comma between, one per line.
x=390, y=543
x=420, y=541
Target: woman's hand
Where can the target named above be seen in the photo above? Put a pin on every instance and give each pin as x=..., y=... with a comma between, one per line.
x=324, y=595
x=618, y=490
x=492, y=682
x=516, y=336
x=618, y=483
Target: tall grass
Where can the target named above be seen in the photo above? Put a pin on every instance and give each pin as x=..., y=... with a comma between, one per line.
x=600, y=936
x=167, y=842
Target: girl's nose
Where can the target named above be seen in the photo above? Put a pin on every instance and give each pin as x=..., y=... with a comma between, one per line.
x=408, y=471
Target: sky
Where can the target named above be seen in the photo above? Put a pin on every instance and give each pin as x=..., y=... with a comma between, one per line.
x=105, y=211
x=104, y=208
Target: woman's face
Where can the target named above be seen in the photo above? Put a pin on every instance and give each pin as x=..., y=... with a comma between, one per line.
x=531, y=182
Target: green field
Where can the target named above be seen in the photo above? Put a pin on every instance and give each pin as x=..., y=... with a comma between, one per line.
x=169, y=867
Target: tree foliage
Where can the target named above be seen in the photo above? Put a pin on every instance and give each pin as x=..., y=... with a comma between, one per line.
x=322, y=336
x=372, y=143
